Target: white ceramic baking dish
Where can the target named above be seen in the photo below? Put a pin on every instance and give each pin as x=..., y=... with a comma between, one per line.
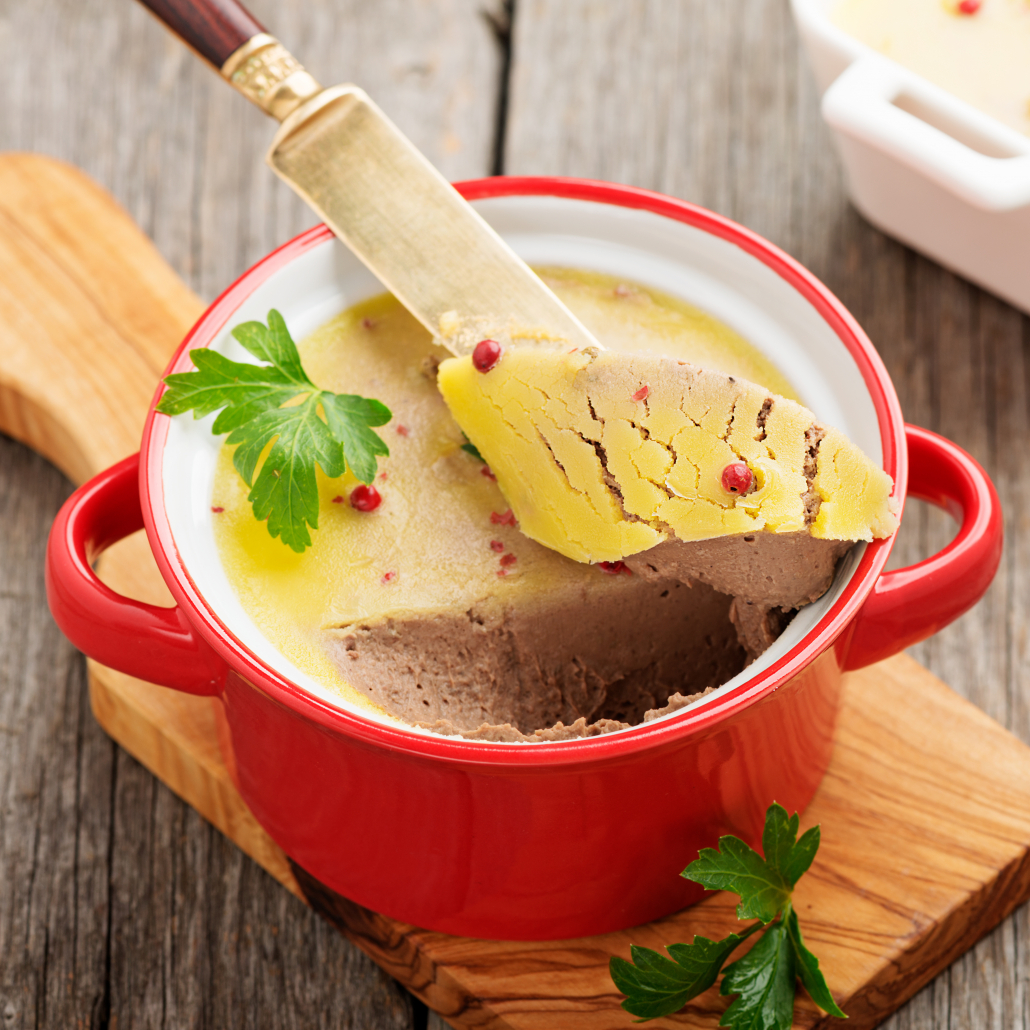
x=921, y=164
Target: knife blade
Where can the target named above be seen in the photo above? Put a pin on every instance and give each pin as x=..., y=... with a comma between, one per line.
x=378, y=192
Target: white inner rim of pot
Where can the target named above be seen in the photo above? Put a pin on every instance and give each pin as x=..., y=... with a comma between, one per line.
x=701, y=269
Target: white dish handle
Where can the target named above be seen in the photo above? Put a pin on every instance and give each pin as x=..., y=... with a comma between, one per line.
x=864, y=103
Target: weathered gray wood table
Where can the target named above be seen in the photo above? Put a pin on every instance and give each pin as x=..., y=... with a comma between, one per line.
x=118, y=904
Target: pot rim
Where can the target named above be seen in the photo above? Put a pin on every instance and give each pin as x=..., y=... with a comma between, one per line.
x=667, y=731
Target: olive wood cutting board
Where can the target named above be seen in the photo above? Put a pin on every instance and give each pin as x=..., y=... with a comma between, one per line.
x=925, y=810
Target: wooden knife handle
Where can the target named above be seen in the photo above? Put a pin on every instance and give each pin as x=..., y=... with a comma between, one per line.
x=214, y=28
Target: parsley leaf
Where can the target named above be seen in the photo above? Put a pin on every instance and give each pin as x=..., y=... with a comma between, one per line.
x=808, y=970
x=330, y=430
x=783, y=852
x=764, y=979
x=740, y=869
x=218, y=382
x=657, y=986
x=274, y=345
x=349, y=418
x=285, y=491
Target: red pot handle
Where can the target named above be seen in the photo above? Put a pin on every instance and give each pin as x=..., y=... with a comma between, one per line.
x=159, y=644
x=911, y=604
x=143, y=640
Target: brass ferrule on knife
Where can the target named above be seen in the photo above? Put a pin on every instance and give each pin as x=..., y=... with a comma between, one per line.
x=267, y=74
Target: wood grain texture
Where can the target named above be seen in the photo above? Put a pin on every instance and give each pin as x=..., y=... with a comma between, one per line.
x=925, y=810
x=119, y=904
x=176, y=738
x=161, y=939
x=101, y=84
x=925, y=815
x=73, y=266
x=712, y=102
x=66, y=252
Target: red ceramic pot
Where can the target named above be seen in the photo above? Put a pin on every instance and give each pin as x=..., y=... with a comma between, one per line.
x=546, y=840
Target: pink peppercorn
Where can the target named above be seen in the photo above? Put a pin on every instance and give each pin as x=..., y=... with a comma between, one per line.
x=737, y=478
x=486, y=355
x=365, y=498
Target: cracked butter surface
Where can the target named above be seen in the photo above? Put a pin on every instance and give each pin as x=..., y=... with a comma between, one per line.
x=433, y=530
x=602, y=456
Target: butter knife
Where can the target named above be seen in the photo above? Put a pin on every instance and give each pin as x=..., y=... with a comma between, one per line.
x=377, y=192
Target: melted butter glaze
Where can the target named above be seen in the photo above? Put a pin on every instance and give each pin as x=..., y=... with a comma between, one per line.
x=433, y=542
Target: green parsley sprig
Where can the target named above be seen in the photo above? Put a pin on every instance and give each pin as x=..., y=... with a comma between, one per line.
x=316, y=427
x=764, y=980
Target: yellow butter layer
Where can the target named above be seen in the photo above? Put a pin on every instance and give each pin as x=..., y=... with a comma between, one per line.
x=431, y=545
x=602, y=456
